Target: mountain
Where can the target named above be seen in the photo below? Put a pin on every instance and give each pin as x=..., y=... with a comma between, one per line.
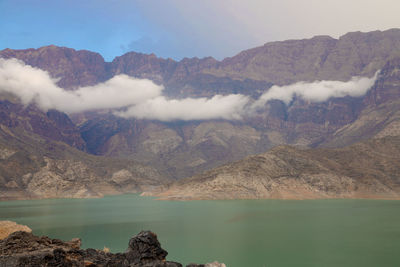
x=39, y=158
x=180, y=149
x=73, y=68
x=364, y=170
x=380, y=116
x=284, y=62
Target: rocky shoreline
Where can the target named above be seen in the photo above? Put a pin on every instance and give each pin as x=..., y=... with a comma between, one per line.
x=22, y=248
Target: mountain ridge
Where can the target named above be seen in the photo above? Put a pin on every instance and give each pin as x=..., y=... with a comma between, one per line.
x=352, y=40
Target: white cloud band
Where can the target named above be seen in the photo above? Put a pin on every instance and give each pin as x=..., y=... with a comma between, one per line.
x=318, y=91
x=141, y=98
x=35, y=85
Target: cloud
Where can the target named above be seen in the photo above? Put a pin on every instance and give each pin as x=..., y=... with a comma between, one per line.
x=318, y=91
x=35, y=85
x=228, y=107
x=141, y=98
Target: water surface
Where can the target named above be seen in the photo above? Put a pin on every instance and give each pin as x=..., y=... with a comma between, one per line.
x=241, y=233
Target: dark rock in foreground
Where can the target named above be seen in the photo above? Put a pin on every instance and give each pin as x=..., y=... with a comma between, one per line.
x=25, y=249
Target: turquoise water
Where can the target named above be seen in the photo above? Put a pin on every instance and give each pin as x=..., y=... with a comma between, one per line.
x=240, y=233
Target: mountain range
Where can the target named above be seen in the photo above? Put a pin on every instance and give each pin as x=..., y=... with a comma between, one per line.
x=92, y=153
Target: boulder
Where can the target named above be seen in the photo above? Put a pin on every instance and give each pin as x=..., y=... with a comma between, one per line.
x=9, y=227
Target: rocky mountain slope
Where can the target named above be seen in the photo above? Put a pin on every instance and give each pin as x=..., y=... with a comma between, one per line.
x=39, y=158
x=380, y=116
x=179, y=149
x=364, y=170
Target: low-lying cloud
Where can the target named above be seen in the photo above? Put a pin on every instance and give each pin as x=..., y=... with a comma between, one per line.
x=318, y=91
x=141, y=98
x=35, y=85
x=228, y=107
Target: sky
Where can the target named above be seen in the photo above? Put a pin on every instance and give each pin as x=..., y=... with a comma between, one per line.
x=184, y=28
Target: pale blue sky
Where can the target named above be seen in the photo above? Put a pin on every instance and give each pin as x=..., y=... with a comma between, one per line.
x=184, y=28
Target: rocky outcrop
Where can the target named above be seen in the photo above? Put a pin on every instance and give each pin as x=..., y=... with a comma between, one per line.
x=26, y=249
x=9, y=227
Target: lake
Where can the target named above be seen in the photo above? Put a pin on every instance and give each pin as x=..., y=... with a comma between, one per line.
x=240, y=233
